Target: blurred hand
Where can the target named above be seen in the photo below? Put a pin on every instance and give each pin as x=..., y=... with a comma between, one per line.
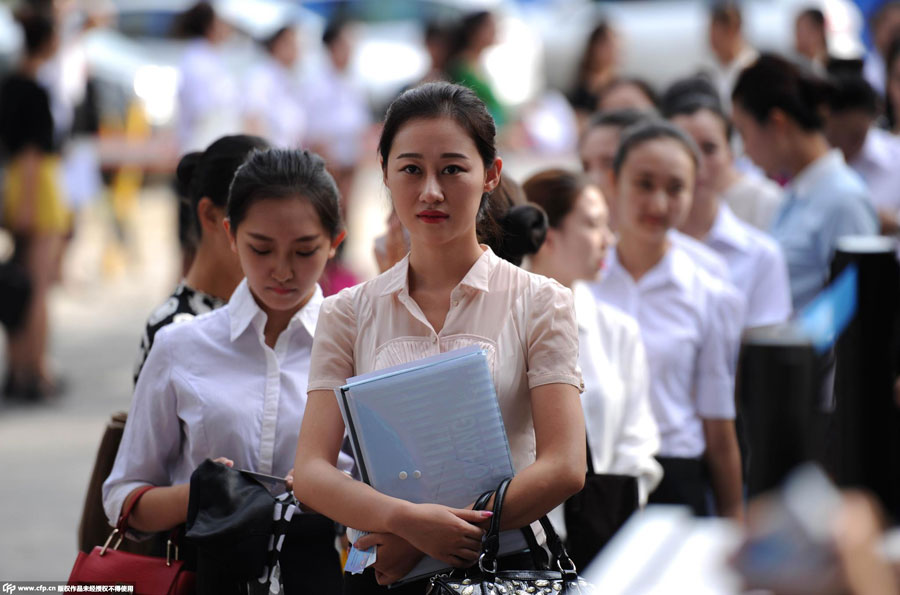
x=289, y=480
x=225, y=461
x=396, y=556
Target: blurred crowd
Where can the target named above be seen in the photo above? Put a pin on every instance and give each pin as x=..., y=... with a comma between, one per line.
x=693, y=212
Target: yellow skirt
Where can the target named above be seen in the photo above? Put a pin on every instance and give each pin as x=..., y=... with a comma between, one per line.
x=51, y=214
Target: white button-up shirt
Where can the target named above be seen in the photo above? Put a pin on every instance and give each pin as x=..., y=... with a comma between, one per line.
x=756, y=267
x=211, y=387
x=691, y=325
x=878, y=163
x=701, y=254
x=620, y=427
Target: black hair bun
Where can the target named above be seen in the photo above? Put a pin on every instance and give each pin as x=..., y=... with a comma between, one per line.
x=524, y=228
x=185, y=171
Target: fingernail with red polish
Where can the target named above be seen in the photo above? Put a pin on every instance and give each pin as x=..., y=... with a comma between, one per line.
x=487, y=514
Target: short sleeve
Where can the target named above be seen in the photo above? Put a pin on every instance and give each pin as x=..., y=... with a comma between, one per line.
x=151, y=442
x=769, y=301
x=552, y=337
x=332, y=359
x=717, y=356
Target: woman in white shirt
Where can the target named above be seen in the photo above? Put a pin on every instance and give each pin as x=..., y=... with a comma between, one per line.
x=232, y=383
x=621, y=432
x=440, y=164
x=689, y=320
x=273, y=105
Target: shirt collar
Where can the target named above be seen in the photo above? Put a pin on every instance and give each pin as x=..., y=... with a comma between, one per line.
x=804, y=183
x=477, y=278
x=728, y=230
x=244, y=311
x=672, y=269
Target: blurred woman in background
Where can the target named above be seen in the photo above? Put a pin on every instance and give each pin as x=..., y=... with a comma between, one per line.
x=689, y=320
x=208, y=96
x=621, y=431
x=599, y=66
x=475, y=34
x=33, y=206
x=273, y=107
x=777, y=110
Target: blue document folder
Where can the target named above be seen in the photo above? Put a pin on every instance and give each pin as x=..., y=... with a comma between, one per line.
x=430, y=431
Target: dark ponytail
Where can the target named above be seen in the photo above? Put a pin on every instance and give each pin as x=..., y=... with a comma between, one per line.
x=775, y=83
x=208, y=174
x=512, y=228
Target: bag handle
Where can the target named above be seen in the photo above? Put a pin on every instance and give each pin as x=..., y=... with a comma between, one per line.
x=487, y=561
x=122, y=523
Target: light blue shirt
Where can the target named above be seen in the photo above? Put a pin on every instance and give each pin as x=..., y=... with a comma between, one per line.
x=825, y=201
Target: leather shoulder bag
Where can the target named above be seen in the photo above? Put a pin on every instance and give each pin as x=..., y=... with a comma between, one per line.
x=486, y=579
x=149, y=575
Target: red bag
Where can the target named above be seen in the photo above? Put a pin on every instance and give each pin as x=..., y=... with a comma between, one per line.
x=148, y=575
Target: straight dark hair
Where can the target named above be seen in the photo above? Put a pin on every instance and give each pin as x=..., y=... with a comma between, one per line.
x=208, y=173
x=651, y=130
x=281, y=174
x=773, y=82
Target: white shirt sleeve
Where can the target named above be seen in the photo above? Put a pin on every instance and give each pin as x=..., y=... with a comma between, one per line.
x=717, y=357
x=639, y=437
x=770, y=299
x=151, y=441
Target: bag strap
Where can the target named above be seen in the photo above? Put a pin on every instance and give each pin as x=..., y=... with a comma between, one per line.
x=487, y=561
x=122, y=525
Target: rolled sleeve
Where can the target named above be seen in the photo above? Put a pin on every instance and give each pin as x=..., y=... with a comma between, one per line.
x=717, y=357
x=151, y=441
x=331, y=362
x=552, y=337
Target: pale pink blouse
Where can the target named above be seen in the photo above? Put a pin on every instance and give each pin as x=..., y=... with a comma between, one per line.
x=525, y=322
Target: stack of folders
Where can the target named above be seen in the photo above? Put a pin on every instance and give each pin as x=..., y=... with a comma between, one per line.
x=430, y=431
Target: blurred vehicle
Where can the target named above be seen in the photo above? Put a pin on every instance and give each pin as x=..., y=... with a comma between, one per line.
x=664, y=40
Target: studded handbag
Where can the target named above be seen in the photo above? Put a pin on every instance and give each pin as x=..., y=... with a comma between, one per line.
x=560, y=576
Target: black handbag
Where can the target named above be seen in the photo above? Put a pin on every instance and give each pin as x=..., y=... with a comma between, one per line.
x=485, y=578
x=237, y=526
x=597, y=512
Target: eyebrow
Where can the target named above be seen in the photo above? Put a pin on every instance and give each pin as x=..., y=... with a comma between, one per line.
x=443, y=156
x=259, y=236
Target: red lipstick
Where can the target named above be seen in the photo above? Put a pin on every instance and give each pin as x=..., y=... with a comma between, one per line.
x=432, y=216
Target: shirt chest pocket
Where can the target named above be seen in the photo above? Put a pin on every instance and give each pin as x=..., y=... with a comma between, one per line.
x=403, y=350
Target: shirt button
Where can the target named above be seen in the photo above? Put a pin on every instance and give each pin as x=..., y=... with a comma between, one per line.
x=434, y=339
x=403, y=475
x=454, y=303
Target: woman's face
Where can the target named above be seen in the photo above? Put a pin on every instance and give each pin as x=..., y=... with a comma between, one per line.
x=580, y=243
x=283, y=249
x=655, y=186
x=284, y=50
x=436, y=178
x=759, y=141
x=708, y=131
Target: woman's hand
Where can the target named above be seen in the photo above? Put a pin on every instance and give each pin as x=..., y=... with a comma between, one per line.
x=289, y=480
x=449, y=534
x=225, y=461
x=396, y=556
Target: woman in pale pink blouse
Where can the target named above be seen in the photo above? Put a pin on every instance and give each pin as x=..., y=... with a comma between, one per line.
x=440, y=164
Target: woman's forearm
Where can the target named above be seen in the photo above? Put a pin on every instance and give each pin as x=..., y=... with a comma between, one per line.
x=538, y=489
x=345, y=500
x=160, y=509
x=724, y=460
